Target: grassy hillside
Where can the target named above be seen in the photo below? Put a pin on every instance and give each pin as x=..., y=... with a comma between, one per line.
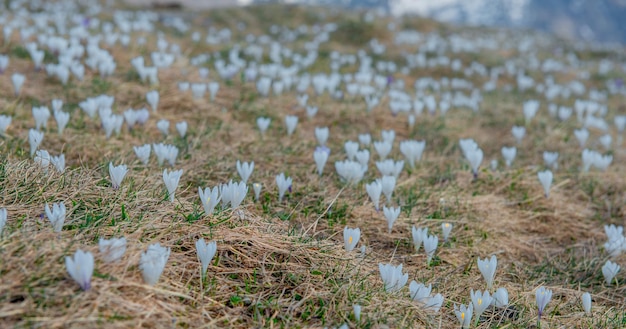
x=283, y=263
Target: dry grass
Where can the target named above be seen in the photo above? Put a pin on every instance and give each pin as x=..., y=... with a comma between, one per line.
x=283, y=264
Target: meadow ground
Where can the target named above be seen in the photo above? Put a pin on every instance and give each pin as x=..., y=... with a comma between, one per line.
x=283, y=264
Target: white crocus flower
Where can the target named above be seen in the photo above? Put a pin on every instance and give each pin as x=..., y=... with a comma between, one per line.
x=564, y=113
x=197, y=89
x=609, y=270
x=430, y=246
x=57, y=104
x=233, y=194
x=291, y=121
x=302, y=100
x=620, y=123
x=542, y=297
x=351, y=237
x=206, y=252
x=58, y=162
x=464, y=314
x=4, y=59
x=214, y=87
x=18, y=81
x=203, y=72
x=263, y=123
x=165, y=151
x=257, y=190
x=365, y=139
x=283, y=183
x=545, y=178
x=602, y=162
x=209, y=199
x=383, y=148
x=320, y=155
x=433, y=303
x=321, y=134
x=508, y=153
x=112, y=249
x=392, y=276
x=245, y=170
x=117, y=174
x=143, y=153
x=480, y=300
x=412, y=151
x=388, y=136
x=374, y=190
x=389, y=184
x=446, y=228
x=225, y=193
x=181, y=127
x=152, y=97
x=500, y=298
x=616, y=243
x=475, y=158
x=161, y=151
x=586, y=300
x=411, y=121
x=80, y=268
x=142, y=115
x=5, y=121
x=550, y=159
x=518, y=133
x=494, y=164
x=357, y=312
x=41, y=116
x=606, y=141
x=363, y=157
x=588, y=157
x=152, y=263
x=581, y=135
x=56, y=215
x=391, y=214
x=487, y=268
x=419, y=292
x=467, y=145
x=351, y=149
x=418, y=235
x=62, y=118
x=390, y=168
x=163, y=126
x=171, y=180
x=42, y=157
x=112, y=123
x=278, y=87
x=311, y=111
x=613, y=231
x=131, y=116
x=350, y=171
x=530, y=110
x=263, y=86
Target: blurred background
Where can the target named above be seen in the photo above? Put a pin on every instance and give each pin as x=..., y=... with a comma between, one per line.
x=601, y=21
